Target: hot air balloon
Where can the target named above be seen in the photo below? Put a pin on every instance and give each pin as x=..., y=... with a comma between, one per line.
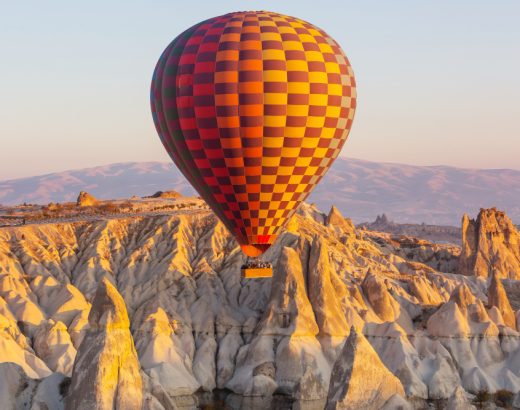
x=253, y=107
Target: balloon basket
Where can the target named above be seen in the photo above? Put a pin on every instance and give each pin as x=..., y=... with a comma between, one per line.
x=254, y=273
x=254, y=269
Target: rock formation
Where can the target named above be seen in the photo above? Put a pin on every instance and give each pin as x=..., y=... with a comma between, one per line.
x=490, y=243
x=459, y=401
x=85, y=199
x=197, y=324
x=53, y=344
x=464, y=314
x=339, y=222
x=434, y=233
x=384, y=305
x=359, y=379
x=106, y=371
x=13, y=386
x=497, y=297
x=289, y=311
x=286, y=354
x=330, y=318
x=397, y=402
x=166, y=194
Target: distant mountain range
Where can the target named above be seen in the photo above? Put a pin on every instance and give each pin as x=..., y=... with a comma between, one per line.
x=360, y=189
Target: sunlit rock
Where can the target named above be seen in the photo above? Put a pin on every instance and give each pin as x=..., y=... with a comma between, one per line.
x=497, y=297
x=53, y=344
x=106, y=370
x=359, y=379
x=86, y=199
x=490, y=243
x=196, y=322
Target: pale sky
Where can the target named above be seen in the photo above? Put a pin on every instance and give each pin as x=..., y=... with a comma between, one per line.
x=438, y=80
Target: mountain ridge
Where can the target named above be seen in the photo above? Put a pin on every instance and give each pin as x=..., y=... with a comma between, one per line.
x=361, y=189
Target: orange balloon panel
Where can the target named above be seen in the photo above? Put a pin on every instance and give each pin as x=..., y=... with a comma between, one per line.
x=253, y=107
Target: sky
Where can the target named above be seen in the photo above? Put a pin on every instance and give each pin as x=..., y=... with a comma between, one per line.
x=438, y=81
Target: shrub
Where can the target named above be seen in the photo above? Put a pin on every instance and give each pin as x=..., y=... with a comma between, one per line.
x=481, y=398
x=126, y=205
x=503, y=398
x=108, y=208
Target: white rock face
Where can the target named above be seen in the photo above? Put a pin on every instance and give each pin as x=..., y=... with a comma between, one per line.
x=397, y=402
x=17, y=391
x=166, y=363
x=106, y=371
x=47, y=394
x=459, y=401
x=359, y=379
x=198, y=325
x=14, y=348
x=13, y=386
x=516, y=401
x=462, y=315
x=286, y=354
x=53, y=344
x=330, y=318
x=289, y=311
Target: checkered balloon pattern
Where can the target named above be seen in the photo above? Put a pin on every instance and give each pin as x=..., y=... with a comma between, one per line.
x=253, y=107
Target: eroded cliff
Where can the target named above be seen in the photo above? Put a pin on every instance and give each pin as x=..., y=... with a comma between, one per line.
x=197, y=325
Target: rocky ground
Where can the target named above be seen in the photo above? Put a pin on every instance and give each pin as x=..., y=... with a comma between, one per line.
x=144, y=311
x=433, y=233
x=89, y=208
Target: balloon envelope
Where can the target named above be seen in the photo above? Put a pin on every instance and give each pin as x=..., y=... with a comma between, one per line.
x=253, y=107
